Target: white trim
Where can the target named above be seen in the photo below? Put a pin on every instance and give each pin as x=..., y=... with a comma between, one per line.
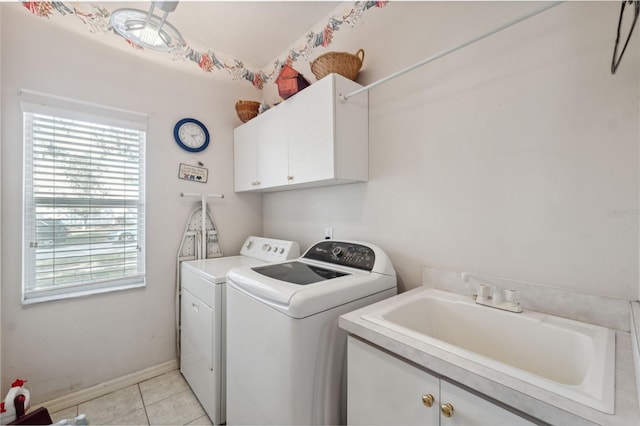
x=33, y=101
x=102, y=389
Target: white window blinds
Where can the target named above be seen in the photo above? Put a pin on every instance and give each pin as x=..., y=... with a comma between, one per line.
x=84, y=201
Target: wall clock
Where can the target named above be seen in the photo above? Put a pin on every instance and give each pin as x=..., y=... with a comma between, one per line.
x=191, y=135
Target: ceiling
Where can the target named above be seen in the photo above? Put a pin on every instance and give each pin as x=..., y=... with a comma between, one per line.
x=253, y=31
x=248, y=40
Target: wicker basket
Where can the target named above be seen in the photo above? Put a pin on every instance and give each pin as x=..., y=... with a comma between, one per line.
x=343, y=63
x=247, y=110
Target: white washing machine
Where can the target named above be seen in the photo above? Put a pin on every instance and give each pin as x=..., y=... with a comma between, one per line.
x=202, y=314
x=286, y=355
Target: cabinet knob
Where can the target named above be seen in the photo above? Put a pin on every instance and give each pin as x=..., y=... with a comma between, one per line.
x=427, y=400
x=289, y=177
x=446, y=409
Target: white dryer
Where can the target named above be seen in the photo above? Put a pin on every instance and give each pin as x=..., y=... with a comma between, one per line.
x=286, y=355
x=202, y=313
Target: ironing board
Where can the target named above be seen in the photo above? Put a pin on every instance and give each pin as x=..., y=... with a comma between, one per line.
x=199, y=226
x=191, y=244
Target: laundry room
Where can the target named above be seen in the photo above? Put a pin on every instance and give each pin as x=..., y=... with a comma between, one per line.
x=483, y=150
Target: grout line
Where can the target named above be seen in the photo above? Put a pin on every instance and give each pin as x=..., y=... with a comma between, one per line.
x=144, y=406
x=140, y=393
x=68, y=408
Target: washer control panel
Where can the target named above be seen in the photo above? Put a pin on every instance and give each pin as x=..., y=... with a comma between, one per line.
x=343, y=253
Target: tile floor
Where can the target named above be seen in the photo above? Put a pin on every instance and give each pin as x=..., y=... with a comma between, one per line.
x=162, y=400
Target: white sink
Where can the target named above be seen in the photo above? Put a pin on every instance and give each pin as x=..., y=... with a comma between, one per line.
x=570, y=358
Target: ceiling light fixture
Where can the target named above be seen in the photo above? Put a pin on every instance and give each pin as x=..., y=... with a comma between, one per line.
x=148, y=30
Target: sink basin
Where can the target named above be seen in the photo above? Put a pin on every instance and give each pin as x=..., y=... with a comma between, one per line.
x=570, y=358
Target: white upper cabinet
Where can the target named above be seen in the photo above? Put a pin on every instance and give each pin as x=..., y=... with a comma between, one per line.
x=260, y=153
x=310, y=134
x=271, y=144
x=245, y=153
x=311, y=139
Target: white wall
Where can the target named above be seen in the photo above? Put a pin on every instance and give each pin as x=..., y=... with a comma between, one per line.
x=515, y=157
x=68, y=345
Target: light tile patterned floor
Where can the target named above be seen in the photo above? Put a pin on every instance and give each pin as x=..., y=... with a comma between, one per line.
x=162, y=400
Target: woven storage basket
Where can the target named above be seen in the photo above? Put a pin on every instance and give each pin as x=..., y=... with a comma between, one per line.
x=247, y=110
x=343, y=63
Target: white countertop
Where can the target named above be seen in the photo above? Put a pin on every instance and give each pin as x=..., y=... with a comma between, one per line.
x=525, y=397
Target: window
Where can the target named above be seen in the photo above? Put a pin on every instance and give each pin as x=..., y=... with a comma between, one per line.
x=84, y=192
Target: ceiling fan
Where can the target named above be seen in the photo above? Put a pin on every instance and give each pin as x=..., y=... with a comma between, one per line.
x=147, y=30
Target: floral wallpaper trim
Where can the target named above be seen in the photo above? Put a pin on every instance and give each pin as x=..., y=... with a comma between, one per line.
x=96, y=18
x=322, y=38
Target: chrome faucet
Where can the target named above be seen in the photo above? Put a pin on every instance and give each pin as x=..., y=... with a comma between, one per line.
x=495, y=297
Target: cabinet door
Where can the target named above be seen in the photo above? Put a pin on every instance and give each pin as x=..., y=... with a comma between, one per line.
x=470, y=409
x=245, y=172
x=383, y=390
x=310, y=134
x=272, y=149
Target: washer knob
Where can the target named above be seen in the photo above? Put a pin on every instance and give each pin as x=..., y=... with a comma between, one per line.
x=337, y=251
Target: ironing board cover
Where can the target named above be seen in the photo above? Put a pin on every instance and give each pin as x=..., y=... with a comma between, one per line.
x=190, y=246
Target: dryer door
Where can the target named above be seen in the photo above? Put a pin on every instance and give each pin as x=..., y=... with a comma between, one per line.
x=197, y=356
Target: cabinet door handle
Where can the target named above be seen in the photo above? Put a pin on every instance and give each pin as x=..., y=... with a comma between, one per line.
x=427, y=400
x=446, y=409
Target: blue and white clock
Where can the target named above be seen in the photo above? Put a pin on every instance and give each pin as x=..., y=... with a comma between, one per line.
x=191, y=135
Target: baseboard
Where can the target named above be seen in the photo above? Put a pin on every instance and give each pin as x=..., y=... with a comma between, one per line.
x=96, y=391
x=635, y=342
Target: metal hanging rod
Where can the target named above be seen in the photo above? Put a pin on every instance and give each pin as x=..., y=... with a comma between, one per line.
x=191, y=194
x=344, y=98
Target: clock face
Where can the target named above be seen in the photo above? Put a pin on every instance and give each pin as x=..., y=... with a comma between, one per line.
x=191, y=135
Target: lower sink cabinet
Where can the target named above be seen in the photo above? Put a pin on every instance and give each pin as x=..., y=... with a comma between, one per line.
x=385, y=390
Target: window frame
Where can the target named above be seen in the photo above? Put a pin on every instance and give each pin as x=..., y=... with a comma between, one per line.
x=65, y=108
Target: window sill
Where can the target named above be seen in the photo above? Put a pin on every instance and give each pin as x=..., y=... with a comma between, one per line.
x=32, y=300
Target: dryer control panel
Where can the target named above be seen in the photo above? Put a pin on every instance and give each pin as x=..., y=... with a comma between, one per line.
x=343, y=253
x=270, y=249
